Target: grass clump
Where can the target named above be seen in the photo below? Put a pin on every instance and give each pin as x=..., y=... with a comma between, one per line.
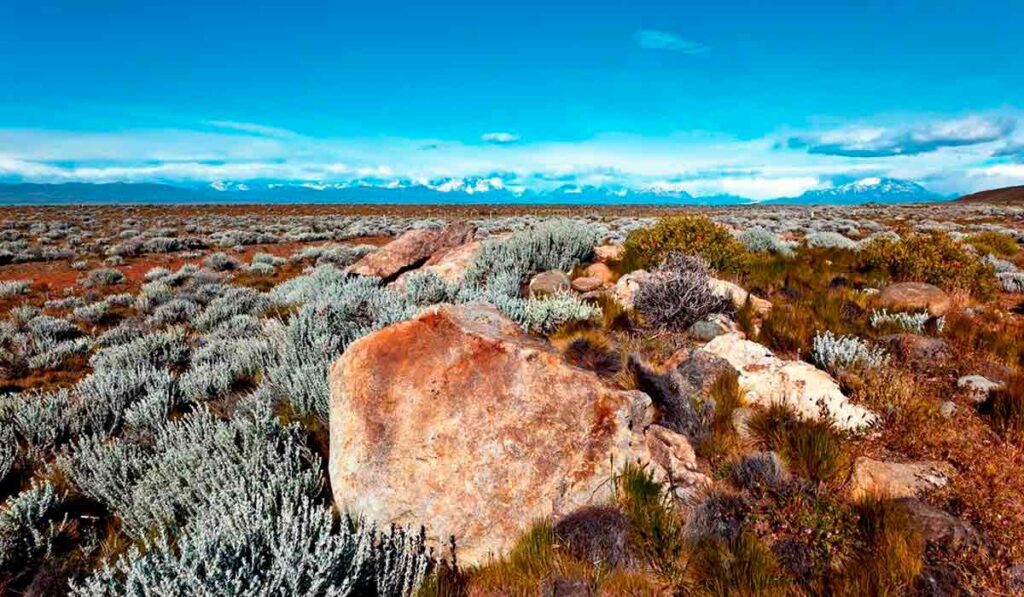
x=993, y=243
x=656, y=526
x=698, y=236
x=592, y=350
x=812, y=448
x=890, y=557
x=741, y=567
x=932, y=257
x=720, y=440
x=1006, y=408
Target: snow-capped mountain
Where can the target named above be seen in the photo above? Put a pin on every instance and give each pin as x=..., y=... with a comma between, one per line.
x=492, y=189
x=868, y=190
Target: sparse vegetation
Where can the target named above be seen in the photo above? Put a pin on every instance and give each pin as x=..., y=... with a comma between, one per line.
x=164, y=415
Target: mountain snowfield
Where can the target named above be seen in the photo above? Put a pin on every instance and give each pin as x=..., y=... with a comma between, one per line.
x=481, y=189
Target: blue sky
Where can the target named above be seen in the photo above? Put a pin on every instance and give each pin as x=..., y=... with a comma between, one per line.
x=756, y=98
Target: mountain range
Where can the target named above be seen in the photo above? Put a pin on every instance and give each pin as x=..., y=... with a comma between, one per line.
x=451, y=191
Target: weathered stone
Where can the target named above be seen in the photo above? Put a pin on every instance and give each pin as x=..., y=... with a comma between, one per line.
x=410, y=250
x=449, y=264
x=897, y=479
x=600, y=271
x=585, y=284
x=915, y=296
x=458, y=420
x=922, y=352
x=549, y=283
x=738, y=296
x=766, y=379
x=977, y=388
x=940, y=527
x=711, y=328
x=947, y=409
x=681, y=391
x=609, y=253
x=628, y=285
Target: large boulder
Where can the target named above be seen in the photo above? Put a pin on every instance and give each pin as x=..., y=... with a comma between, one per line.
x=897, y=479
x=458, y=420
x=914, y=296
x=410, y=250
x=766, y=379
x=450, y=264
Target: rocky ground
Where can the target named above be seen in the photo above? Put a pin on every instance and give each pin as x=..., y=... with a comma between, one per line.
x=484, y=401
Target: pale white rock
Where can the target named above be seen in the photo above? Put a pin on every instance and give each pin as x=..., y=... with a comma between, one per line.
x=766, y=379
x=977, y=387
x=738, y=296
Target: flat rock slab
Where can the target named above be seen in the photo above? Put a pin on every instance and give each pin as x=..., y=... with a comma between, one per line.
x=411, y=250
x=897, y=479
x=459, y=421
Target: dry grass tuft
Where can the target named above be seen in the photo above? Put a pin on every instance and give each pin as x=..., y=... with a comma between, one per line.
x=814, y=449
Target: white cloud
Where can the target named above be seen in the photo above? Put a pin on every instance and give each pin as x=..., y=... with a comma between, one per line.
x=499, y=138
x=255, y=129
x=652, y=39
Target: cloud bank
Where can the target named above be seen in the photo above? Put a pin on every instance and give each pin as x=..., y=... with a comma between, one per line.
x=870, y=142
x=957, y=155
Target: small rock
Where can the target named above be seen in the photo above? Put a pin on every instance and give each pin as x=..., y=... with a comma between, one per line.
x=896, y=479
x=947, y=409
x=711, y=328
x=738, y=296
x=450, y=264
x=600, y=271
x=586, y=284
x=915, y=296
x=628, y=285
x=609, y=253
x=548, y=283
x=940, y=527
x=977, y=388
x=922, y=352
